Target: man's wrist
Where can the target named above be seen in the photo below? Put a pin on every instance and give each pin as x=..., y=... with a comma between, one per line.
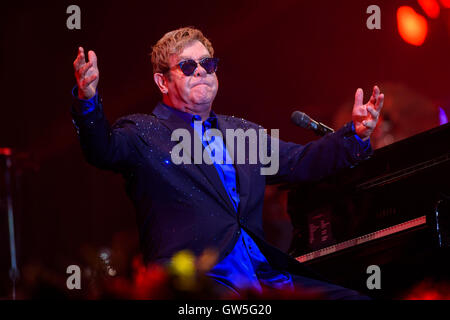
x=365, y=143
x=84, y=106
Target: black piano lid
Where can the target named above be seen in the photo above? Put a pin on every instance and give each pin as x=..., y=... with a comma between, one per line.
x=428, y=148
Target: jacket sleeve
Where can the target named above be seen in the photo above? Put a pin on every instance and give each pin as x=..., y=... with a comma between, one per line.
x=320, y=158
x=105, y=147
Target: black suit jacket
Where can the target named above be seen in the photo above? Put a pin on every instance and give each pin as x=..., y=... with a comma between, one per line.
x=186, y=206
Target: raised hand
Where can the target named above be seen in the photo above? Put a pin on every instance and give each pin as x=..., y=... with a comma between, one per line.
x=365, y=116
x=87, y=74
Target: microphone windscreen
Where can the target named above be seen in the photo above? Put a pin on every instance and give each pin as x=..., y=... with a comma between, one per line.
x=300, y=119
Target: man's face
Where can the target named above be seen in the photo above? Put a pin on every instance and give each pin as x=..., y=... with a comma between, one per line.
x=193, y=93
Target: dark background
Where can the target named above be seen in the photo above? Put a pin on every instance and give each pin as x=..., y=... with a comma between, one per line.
x=276, y=57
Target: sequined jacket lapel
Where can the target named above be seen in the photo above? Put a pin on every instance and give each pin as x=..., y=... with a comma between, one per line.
x=173, y=122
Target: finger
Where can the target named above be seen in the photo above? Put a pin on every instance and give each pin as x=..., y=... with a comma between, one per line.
x=379, y=103
x=87, y=81
x=359, y=97
x=375, y=94
x=369, y=124
x=84, y=69
x=92, y=58
x=80, y=60
x=374, y=113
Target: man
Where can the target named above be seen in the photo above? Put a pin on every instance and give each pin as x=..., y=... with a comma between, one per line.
x=197, y=206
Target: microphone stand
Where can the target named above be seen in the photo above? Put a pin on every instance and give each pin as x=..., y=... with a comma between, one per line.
x=14, y=271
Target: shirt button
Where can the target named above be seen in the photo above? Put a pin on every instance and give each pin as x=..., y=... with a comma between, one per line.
x=238, y=232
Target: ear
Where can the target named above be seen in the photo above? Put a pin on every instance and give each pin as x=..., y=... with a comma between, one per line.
x=161, y=82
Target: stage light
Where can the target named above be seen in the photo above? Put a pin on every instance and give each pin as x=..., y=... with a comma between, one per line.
x=445, y=3
x=412, y=27
x=442, y=116
x=431, y=8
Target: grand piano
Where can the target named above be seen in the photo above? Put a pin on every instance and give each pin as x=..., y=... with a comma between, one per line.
x=391, y=211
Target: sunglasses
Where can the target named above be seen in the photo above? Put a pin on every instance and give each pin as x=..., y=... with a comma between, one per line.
x=188, y=66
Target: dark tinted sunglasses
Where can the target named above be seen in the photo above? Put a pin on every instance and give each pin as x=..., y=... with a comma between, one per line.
x=188, y=66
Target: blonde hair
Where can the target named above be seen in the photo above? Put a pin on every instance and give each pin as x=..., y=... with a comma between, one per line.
x=174, y=42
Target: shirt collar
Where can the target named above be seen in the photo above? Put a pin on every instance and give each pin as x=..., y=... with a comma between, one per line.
x=209, y=123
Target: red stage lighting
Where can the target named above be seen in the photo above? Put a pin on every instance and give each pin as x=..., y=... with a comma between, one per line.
x=445, y=3
x=412, y=27
x=431, y=7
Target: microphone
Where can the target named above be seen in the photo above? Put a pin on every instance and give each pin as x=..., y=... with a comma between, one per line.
x=303, y=120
